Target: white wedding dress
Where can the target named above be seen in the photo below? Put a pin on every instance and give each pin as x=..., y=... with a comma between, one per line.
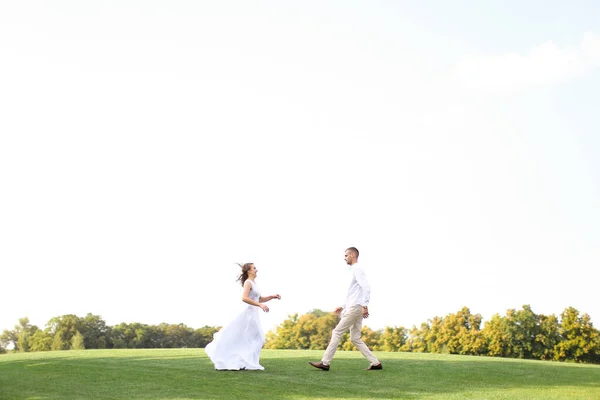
x=237, y=345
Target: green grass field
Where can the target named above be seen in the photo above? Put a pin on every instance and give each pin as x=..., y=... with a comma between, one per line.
x=188, y=374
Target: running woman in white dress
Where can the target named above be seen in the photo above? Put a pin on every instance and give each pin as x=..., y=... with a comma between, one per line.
x=237, y=345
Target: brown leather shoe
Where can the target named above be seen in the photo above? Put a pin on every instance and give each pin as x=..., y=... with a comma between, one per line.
x=377, y=366
x=319, y=365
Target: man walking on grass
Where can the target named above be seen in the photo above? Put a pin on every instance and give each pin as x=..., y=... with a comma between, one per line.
x=356, y=308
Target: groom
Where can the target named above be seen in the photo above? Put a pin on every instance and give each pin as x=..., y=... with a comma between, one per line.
x=357, y=302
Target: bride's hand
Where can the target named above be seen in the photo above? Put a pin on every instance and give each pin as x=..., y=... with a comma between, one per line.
x=264, y=307
x=276, y=296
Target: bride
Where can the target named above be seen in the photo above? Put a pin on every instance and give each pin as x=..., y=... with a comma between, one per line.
x=237, y=346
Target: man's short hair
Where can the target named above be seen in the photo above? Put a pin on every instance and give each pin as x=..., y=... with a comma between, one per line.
x=354, y=250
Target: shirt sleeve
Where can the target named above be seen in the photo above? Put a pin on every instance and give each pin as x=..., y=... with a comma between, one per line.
x=361, y=279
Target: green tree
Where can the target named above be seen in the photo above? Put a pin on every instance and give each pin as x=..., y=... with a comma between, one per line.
x=547, y=338
x=416, y=341
x=63, y=328
x=284, y=336
x=432, y=333
x=522, y=328
x=394, y=339
x=23, y=333
x=23, y=342
x=308, y=331
x=77, y=342
x=9, y=339
x=580, y=341
x=306, y=328
x=40, y=341
x=132, y=336
x=204, y=335
x=177, y=335
x=460, y=333
x=58, y=342
x=496, y=336
x=95, y=331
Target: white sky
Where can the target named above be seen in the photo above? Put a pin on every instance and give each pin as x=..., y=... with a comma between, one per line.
x=147, y=146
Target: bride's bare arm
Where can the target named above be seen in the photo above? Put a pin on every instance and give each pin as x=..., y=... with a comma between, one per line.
x=267, y=298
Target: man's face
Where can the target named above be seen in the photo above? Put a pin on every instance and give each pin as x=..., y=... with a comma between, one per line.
x=349, y=257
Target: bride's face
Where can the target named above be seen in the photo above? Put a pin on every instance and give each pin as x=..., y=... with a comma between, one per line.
x=252, y=271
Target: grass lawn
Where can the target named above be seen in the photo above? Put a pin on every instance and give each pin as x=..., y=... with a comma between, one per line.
x=188, y=374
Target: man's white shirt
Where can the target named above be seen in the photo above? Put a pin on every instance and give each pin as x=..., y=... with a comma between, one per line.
x=359, y=291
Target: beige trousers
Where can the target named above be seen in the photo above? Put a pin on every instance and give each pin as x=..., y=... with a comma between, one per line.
x=352, y=319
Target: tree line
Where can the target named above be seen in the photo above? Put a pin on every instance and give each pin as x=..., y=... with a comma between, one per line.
x=70, y=332
x=518, y=334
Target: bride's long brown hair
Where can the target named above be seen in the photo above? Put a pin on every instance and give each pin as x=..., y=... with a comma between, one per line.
x=244, y=275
